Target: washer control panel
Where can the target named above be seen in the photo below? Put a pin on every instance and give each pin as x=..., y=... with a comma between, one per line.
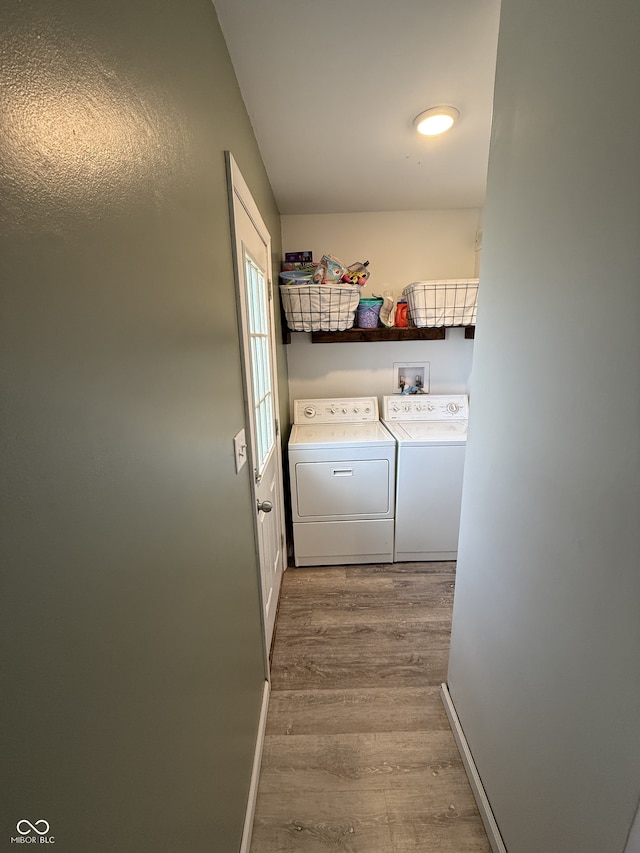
x=343, y=410
x=425, y=407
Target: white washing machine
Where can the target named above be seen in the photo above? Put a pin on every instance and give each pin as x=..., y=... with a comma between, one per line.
x=342, y=477
x=431, y=432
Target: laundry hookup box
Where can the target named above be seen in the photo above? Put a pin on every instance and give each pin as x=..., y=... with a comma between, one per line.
x=443, y=302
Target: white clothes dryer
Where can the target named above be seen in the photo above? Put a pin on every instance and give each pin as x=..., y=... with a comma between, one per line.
x=431, y=432
x=342, y=478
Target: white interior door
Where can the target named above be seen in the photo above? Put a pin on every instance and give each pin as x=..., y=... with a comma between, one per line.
x=255, y=300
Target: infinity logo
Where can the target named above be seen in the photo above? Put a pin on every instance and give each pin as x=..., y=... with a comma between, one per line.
x=32, y=827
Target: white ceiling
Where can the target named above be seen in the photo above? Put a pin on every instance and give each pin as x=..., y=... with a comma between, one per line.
x=332, y=88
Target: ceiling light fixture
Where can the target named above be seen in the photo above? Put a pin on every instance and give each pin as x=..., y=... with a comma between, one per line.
x=436, y=120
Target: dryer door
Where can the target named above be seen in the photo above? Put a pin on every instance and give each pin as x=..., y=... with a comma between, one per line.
x=345, y=489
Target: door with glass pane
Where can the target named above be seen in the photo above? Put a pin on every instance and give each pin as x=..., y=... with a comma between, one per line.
x=253, y=268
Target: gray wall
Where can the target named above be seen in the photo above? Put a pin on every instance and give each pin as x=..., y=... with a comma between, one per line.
x=130, y=625
x=545, y=658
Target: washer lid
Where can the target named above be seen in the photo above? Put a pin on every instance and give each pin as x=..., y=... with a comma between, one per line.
x=341, y=434
x=429, y=432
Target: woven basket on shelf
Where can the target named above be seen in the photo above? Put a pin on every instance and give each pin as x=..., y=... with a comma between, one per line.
x=319, y=307
x=447, y=302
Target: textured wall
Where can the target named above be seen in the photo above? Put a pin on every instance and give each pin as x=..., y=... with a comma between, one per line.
x=130, y=621
x=544, y=667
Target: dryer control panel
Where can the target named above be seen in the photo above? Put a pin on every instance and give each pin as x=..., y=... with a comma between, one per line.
x=335, y=410
x=425, y=407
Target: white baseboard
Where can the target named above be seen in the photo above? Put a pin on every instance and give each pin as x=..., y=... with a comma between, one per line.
x=245, y=844
x=484, y=807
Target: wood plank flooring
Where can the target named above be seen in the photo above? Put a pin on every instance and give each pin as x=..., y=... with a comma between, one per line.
x=359, y=756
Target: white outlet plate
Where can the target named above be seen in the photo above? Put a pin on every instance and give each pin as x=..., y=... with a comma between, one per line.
x=240, y=450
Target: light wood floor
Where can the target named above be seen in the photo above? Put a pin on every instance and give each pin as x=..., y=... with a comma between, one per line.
x=359, y=756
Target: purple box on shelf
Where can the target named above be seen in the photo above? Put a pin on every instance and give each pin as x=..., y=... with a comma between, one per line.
x=298, y=257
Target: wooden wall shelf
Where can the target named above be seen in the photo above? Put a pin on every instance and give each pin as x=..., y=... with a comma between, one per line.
x=384, y=334
x=380, y=334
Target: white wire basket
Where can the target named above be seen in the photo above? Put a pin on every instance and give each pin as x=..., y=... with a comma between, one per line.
x=319, y=307
x=446, y=302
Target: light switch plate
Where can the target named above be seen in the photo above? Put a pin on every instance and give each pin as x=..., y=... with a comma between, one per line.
x=240, y=450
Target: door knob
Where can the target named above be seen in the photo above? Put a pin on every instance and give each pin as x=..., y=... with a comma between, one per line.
x=265, y=506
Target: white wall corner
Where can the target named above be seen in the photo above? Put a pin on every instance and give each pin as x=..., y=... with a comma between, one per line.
x=633, y=842
x=484, y=806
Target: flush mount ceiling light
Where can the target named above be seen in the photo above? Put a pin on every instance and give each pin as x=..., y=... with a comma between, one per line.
x=436, y=120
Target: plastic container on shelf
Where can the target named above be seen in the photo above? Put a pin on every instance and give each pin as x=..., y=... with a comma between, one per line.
x=368, y=313
x=402, y=314
x=297, y=276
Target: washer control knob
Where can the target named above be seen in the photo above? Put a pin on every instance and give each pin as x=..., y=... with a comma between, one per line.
x=333, y=409
x=355, y=410
x=453, y=408
x=344, y=410
x=309, y=412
